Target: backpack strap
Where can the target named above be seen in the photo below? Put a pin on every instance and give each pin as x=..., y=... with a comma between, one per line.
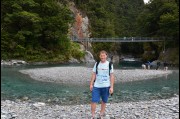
x=110, y=64
x=110, y=67
x=97, y=63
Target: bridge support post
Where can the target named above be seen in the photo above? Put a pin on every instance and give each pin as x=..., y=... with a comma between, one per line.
x=87, y=45
x=164, y=46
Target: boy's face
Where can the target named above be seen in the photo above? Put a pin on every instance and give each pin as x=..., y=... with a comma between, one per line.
x=103, y=57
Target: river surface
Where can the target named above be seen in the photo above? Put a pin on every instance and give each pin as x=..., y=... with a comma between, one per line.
x=15, y=85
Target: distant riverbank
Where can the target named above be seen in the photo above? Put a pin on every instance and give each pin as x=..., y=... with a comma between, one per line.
x=81, y=75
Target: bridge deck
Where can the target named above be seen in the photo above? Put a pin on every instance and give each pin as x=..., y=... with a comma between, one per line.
x=130, y=39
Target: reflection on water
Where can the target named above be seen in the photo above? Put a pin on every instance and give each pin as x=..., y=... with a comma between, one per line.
x=130, y=65
x=157, y=88
x=15, y=85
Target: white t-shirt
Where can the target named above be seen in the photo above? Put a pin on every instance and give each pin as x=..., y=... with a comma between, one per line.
x=102, y=78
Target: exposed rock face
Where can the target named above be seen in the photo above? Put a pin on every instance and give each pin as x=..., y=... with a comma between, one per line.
x=85, y=27
x=80, y=28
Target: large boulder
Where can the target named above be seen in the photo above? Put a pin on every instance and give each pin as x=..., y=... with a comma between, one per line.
x=73, y=60
x=171, y=56
x=89, y=58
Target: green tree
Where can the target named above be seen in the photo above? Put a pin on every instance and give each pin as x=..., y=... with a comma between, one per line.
x=159, y=18
x=35, y=29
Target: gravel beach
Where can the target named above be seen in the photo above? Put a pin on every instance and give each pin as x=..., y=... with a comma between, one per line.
x=82, y=75
x=154, y=109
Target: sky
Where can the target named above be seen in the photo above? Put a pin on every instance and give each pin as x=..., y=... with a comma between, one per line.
x=145, y=1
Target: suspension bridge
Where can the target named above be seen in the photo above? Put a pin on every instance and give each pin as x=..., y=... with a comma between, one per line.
x=124, y=39
x=86, y=41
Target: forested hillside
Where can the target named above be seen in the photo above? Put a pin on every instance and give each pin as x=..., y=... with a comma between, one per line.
x=111, y=18
x=133, y=18
x=37, y=30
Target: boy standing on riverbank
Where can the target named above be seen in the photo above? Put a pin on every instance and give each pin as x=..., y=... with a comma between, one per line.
x=101, y=84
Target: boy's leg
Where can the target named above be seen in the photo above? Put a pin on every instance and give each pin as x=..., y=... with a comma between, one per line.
x=103, y=106
x=104, y=95
x=93, y=109
x=95, y=99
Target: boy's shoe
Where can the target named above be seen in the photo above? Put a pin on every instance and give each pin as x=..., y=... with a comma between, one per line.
x=101, y=116
x=92, y=117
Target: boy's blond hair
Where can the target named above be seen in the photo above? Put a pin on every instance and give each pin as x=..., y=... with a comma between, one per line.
x=103, y=52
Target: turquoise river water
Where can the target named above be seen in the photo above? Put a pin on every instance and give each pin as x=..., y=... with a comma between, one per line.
x=15, y=85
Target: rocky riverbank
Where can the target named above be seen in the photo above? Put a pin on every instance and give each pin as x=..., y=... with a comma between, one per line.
x=13, y=62
x=81, y=75
x=154, y=109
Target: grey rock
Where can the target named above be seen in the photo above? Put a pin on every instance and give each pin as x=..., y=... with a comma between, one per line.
x=73, y=60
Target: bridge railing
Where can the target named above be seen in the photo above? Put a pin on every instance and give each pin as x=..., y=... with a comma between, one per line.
x=122, y=39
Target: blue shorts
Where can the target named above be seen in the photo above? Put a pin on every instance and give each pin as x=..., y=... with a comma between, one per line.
x=100, y=92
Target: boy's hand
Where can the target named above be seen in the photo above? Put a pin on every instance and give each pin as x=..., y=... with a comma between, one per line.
x=91, y=87
x=111, y=90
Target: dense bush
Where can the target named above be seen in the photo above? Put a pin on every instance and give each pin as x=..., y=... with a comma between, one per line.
x=35, y=30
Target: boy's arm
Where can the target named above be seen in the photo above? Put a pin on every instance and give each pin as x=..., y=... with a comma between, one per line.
x=93, y=77
x=112, y=80
x=111, y=90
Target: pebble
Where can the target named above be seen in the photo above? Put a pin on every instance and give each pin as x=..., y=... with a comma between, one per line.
x=38, y=104
x=154, y=109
